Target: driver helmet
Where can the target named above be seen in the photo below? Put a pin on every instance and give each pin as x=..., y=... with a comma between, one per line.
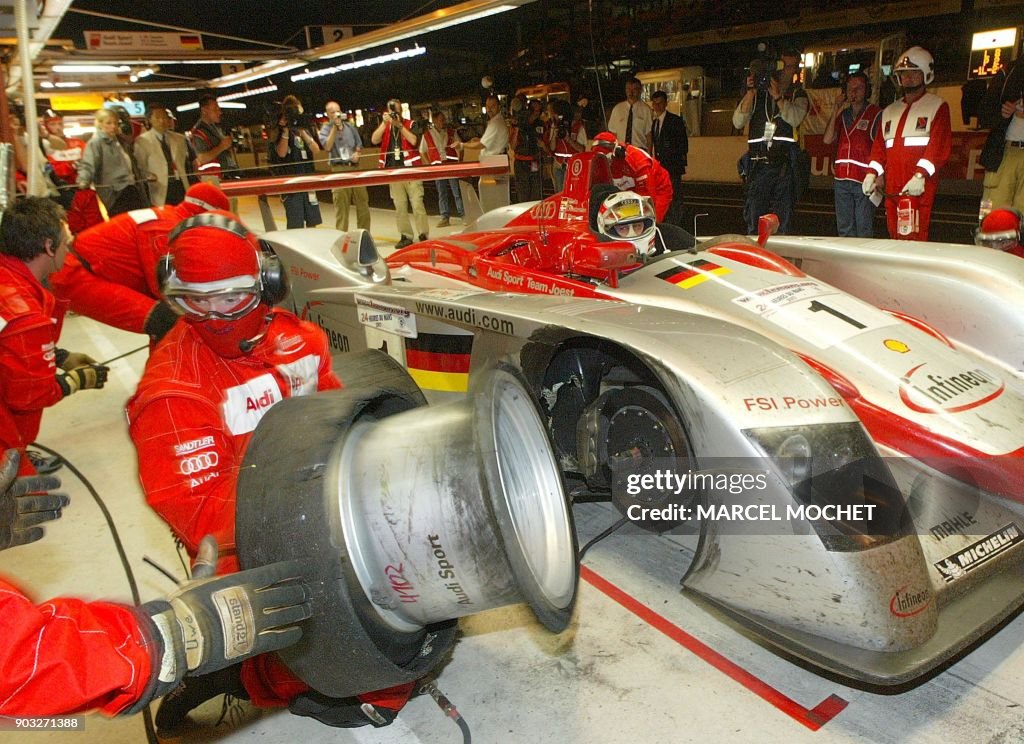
x=625, y=215
x=999, y=230
x=919, y=59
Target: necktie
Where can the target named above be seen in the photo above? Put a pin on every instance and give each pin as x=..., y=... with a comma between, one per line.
x=167, y=156
x=629, y=126
x=655, y=134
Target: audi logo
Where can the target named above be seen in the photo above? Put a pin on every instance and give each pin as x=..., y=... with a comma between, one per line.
x=199, y=463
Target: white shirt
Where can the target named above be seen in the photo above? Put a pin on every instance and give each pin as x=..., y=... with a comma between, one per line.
x=495, y=139
x=643, y=119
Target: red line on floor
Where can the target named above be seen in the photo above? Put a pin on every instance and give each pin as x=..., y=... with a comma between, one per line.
x=813, y=718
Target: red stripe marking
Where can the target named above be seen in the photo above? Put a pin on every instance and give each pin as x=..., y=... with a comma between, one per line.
x=813, y=718
x=433, y=361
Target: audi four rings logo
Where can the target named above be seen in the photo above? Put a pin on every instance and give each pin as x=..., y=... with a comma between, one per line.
x=199, y=463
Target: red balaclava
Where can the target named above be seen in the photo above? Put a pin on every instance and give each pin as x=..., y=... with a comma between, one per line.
x=209, y=260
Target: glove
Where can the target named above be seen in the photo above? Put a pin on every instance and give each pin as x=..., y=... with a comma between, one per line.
x=915, y=186
x=68, y=360
x=82, y=378
x=159, y=321
x=868, y=187
x=214, y=623
x=25, y=503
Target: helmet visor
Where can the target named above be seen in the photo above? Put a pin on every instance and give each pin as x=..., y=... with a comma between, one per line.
x=630, y=230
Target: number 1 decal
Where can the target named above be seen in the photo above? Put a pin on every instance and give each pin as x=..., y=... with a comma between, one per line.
x=817, y=307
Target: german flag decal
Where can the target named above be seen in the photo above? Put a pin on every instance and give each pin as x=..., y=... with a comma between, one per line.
x=439, y=361
x=693, y=274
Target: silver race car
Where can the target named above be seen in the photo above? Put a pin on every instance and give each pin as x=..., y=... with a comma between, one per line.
x=848, y=482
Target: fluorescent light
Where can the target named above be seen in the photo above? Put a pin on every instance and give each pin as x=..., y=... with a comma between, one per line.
x=247, y=93
x=1003, y=37
x=274, y=67
x=91, y=68
x=187, y=106
x=68, y=85
x=232, y=105
x=380, y=59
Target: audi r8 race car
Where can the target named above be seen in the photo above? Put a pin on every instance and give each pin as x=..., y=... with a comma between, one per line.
x=774, y=392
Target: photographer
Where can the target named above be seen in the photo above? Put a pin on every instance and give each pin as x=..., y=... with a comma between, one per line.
x=398, y=150
x=343, y=145
x=564, y=138
x=774, y=107
x=526, y=142
x=291, y=153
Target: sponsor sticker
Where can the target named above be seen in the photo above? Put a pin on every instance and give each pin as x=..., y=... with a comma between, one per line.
x=197, y=463
x=977, y=554
x=906, y=603
x=692, y=274
x=922, y=123
x=386, y=317
x=192, y=445
x=898, y=346
x=449, y=294
x=244, y=405
x=302, y=375
x=141, y=216
x=814, y=311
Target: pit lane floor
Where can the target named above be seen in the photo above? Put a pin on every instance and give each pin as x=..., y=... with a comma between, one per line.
x=640, y=661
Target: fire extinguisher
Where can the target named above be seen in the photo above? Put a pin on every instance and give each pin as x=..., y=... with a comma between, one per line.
x=907, y=215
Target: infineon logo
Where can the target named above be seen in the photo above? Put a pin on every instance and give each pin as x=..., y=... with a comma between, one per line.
x=925, y=391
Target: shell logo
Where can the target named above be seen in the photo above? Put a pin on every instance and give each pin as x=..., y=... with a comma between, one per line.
x=893, y=345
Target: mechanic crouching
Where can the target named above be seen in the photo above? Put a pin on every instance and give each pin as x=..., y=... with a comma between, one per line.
x=204, y=390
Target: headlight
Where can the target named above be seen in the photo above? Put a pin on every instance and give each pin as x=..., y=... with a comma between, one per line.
x=835, y=467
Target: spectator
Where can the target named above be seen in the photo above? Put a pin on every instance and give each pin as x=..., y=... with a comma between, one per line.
x=774, y=109
x=34, y=373
x=111, y=169
x=441, y=146
x=344, y=147
x=1003, y=153
x=670, y=146
x=215, y=154
x=162, y=155
x=64, y=154
x=631, y=120
x=854, y=124
x=526, y=144
x=566, y=136
x=398, y=150
x=493, y=142
x=915, y=144
x=291, y=147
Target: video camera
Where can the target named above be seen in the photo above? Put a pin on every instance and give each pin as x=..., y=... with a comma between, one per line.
x=297, y=119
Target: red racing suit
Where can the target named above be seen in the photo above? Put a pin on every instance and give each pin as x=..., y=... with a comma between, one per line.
x=110, y=273
x=66, y=655
x=30, y=323
x=914, y=139
x=640, y=172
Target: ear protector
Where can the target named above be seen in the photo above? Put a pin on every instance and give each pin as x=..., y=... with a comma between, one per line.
x=273, y=280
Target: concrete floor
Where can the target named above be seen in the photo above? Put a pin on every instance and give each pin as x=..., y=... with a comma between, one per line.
x=640, y=662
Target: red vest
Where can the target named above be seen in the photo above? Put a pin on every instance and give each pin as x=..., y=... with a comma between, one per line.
x=853, y=151
x=64, y=161
x=450, y=153
x=410, y=155
x=563, y=150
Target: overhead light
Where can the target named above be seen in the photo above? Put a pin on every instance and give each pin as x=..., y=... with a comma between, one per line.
x=1003, y=37
x=246, y=93
x=274, y=67
x=232, y=104
x=91, y=68
x=380, y=59
x=187, y=106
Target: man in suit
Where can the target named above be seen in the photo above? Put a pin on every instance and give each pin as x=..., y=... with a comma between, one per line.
x=162, y=155
x=669, y=146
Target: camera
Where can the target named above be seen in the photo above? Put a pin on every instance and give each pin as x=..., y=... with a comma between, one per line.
x=394, y=111
x=296, y=119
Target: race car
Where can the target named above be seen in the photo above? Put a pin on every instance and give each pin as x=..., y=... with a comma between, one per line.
x=728, y=362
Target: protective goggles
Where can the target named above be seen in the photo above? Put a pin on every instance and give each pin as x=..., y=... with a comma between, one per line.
x=228, y=299
x=997, y=241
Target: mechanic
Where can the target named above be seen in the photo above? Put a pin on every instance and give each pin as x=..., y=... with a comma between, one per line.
x=633, y=168
x=398, y=150
x=34, y=373
x=859, y=127
x=111, y=273
x=1002, y=111
x=204, y=390
x=1000, y=229
x=441, y=145
x=341, y=141
x=774, y=109
x=118, y=658
x=292, y=148
x=915, y=144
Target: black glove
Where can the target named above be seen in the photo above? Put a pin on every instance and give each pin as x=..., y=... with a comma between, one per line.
x=159, y=321
x=214, y=623
x=25, y=503
x=68, y=360
x=82, y=378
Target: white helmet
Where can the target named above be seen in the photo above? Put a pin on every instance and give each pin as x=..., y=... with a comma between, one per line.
x=918, y=59
x=625, y=215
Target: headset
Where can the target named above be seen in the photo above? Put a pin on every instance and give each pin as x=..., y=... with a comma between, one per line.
x=273, y=280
